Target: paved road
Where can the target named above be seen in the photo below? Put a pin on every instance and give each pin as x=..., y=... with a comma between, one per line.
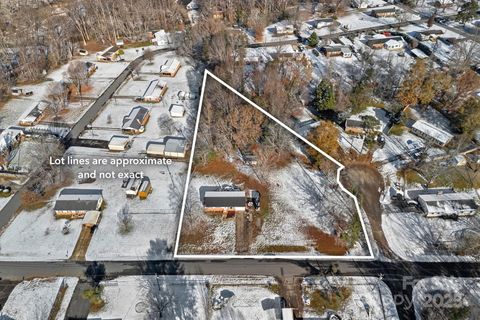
x=399, y=276
x=344, y=33
x=97, y=106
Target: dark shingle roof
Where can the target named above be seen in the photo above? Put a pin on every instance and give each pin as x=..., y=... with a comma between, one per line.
x=224, y=199
x=78, y=199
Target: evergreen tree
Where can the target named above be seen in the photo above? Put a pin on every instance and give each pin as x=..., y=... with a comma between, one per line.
x=313, y=40
x=468, y=11
x=324, y=96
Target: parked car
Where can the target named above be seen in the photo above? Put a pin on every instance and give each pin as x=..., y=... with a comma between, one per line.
x=316, y=52
x=82, y=52
x=182, y=95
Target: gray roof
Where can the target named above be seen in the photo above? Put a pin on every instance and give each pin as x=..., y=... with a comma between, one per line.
x=354, y=123
x=373, y=41
x=78, y=199
x=224, y=199
x=135, y=118
x=384, y=10
x=175, y=144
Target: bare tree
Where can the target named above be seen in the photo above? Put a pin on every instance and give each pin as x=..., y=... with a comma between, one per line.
x=57, y=96
x=166, y=124
x=124, y=219
x=148, y=55
x=77, y=72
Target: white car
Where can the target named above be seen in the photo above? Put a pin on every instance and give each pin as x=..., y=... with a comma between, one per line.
x=82, y=52
x=182, y=95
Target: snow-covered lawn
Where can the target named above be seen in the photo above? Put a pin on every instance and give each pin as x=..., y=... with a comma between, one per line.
x=154, y=219
x=446, y=293
x=360, y=20
x=109, y=121
x=189, y=297
x=423, y=239
x=246, y=301
x=35, y=299
x=37, y=235
x=370, y=298
x=302, y=197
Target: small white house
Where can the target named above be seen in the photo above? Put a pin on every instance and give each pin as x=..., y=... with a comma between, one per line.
x=118, y=143
x=431, y=133
x=161, y=38
x=171, y=147
x=177, y=111
x=393, y=45
x=284, y=29
x=170, y=68
x=447, y=204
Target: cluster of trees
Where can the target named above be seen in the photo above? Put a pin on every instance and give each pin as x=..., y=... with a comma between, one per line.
x=451, y=91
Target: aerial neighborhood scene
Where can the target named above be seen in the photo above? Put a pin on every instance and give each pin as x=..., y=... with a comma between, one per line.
x=240, y=159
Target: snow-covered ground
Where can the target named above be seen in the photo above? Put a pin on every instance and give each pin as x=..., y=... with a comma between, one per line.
x=370, y=298
x=98, y=82
x=300, y=198
x=423, y=239
x=154, y=219
x=447, y=293
x=109, y=121
x=36, y=298
x=188, y=297
x=37, y=235
x=360, y=20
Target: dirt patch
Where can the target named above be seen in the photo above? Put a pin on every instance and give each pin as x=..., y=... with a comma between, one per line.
x=217, y=166
x=326, y=243
x=93, y=46
x=82, y=244
x=282, y=249
x=194, y=235
x=365, y=181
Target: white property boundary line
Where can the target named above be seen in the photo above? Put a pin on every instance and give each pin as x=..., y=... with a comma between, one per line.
x=291, y=257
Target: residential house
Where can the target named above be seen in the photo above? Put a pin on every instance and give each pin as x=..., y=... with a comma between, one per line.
x=171, y=147
x=323, y=22
x=336, y=51
x=393, y=45
x=170, y=68
x=160, y=38
x=110, y=54
x=118, y=143
x=154, y=92
x=443, y=202
x=229, y=202
x=431, y=34
x=75, y=203
x=431, y=133
x=354, y=126
x=283, y=29
x=379, y=42
x=34, y=115
x=384, y=12
x=135, y=122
